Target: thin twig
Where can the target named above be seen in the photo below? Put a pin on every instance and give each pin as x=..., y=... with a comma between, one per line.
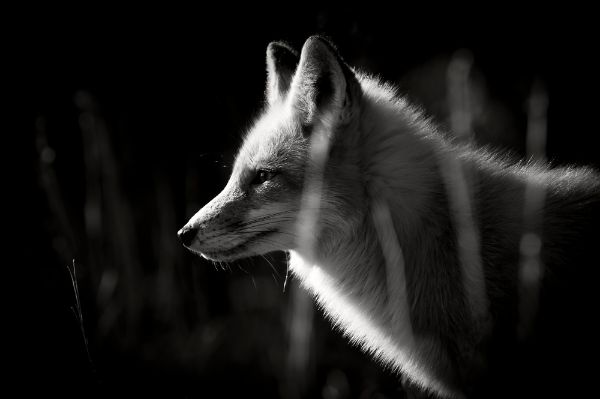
x=77, y=311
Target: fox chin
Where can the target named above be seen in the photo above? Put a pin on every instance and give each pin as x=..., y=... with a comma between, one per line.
x=360, y=187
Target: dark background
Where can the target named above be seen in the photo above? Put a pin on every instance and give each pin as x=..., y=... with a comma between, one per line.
x=128, y=122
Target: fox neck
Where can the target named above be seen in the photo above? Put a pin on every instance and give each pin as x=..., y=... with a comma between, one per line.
x=369, y=301
x=395, y=287
x=380, y=304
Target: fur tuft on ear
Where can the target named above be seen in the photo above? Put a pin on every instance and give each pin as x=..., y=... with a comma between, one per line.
x=281, y=64
x=324, y=87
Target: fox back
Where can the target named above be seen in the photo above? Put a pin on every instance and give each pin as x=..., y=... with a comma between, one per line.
x=430, y=255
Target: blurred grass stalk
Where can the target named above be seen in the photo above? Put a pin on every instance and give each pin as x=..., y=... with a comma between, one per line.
x=124, y=288
x=395, y=271
x=109, y=225
x=65, y=239
x=301, y=324
x=458, y=184
x=108, y=252
x=531, y=268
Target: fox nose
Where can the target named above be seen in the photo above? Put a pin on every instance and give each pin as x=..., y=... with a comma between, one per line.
x=187, y=235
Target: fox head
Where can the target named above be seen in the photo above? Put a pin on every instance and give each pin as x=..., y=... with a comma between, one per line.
x=299, y=149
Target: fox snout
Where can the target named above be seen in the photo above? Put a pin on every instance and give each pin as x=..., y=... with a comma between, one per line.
x=209, y=230
x=187, y=234
x=236, y=225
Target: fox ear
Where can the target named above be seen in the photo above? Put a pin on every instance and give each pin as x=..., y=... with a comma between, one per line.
x=324, y=88
x=281, y=64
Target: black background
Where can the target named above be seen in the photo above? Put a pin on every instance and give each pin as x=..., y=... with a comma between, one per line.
x=175, y=90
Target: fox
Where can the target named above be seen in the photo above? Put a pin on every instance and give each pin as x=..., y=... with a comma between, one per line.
x=367, y=194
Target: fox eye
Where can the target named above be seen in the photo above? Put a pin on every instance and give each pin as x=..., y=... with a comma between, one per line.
x=262, y=176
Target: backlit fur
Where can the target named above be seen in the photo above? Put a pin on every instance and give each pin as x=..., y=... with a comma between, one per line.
x=412, y=310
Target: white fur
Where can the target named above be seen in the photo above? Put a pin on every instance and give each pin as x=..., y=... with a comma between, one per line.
x=359, y=321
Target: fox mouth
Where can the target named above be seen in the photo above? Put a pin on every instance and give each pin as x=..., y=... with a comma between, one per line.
x=234, y=252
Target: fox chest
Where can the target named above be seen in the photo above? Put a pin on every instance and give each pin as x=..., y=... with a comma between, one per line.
x=365, y=323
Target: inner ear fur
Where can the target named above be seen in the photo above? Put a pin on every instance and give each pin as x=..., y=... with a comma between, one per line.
x=324, y=88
